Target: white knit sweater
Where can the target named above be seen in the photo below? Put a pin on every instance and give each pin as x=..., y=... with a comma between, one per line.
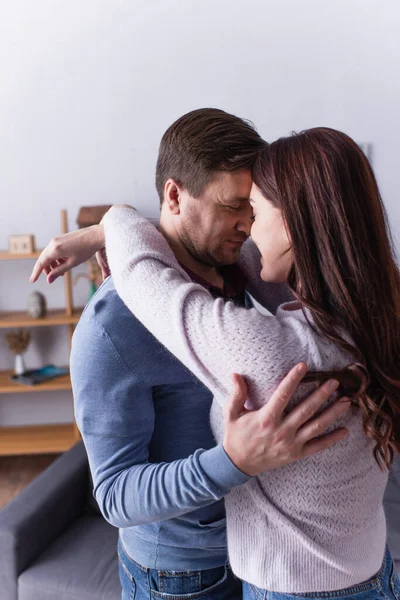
x=314, y=525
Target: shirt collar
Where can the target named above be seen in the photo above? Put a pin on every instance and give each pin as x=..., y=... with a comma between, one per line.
x=235, y=281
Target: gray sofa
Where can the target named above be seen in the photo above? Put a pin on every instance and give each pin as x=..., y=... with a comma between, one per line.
x=54, y=543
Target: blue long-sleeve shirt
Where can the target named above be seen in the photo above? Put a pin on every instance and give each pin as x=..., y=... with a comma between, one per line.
x=144, y=419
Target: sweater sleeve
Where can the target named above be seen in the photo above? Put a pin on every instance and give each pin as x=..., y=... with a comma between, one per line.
x=213, y=338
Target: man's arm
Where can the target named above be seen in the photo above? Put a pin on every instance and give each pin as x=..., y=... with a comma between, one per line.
x=116, y=418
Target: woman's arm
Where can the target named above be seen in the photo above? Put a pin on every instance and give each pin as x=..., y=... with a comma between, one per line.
x=211, y=337
x=70, y=250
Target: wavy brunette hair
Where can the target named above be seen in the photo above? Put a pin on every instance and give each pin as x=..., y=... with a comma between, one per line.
x=344, y=267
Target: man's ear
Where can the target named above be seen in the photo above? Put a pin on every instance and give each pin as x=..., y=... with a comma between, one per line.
x=172, y=199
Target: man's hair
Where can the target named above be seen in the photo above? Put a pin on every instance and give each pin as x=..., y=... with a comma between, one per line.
x=201, y=143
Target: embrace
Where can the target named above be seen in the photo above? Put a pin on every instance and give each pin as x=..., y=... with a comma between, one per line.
x=239, y=399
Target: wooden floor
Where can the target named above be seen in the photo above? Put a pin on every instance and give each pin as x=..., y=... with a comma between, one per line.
x=16, y=472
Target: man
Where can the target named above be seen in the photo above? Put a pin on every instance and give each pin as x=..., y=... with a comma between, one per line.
x=144, y=418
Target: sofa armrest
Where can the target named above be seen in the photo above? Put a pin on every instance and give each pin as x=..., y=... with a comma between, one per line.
x=32, y=520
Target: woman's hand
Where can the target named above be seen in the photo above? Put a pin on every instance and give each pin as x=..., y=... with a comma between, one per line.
x=67, y=251
x=102, y=261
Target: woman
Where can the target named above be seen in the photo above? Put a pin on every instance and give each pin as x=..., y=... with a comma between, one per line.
x=315, y=528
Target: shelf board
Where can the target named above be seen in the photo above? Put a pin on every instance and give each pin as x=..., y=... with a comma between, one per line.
x=4, y=255
x=37, y=439
x=7, y=386
x=53, y=317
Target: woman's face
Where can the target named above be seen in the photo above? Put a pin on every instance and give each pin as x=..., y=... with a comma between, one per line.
x=269, y=234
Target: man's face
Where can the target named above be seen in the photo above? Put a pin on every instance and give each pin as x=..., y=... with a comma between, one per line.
x=214, y=226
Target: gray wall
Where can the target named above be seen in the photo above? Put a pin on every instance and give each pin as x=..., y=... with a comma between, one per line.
x=89, y=86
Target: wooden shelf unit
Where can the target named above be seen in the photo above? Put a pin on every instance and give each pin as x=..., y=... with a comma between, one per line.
x=7, y=386
x=39, y=439
x=53, y=317
x=4, y=255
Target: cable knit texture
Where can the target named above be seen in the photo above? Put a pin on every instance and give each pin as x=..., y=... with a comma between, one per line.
x=314, y=525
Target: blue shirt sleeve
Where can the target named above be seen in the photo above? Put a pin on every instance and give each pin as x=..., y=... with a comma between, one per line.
x=115, y=415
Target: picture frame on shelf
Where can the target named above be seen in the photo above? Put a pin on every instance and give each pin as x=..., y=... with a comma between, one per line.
x=21, y=244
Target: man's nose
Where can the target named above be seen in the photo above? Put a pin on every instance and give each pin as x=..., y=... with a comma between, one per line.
x=245, y=222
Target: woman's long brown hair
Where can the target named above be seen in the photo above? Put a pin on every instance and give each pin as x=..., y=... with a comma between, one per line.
x=344, y=267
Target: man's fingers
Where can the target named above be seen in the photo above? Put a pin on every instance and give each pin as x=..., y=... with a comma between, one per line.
x=308, y=407
x=324, y=442
x=319, y=424
x=283, y=393
x=237, y=398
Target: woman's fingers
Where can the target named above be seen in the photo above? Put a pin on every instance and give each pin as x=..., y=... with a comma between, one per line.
x=70, y=249
x=101, y=258
x=43, y=264
x=59, y=270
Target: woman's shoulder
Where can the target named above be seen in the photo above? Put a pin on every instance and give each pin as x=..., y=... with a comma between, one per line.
x=323, y=354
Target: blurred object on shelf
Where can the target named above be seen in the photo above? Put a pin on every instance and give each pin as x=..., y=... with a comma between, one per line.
x=21, y=244
x=91, y=215
x=36, y=305
x=36, y=376
x=18, y=342
x=94, y=276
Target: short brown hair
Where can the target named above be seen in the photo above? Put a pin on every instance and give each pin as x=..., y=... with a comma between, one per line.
x=201, y=143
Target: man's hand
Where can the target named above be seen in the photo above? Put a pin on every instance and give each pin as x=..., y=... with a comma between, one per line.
x=67, y=251
x=268, y=438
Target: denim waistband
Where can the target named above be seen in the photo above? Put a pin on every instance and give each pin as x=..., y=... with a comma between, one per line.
x=158, y=556
x=373, y=583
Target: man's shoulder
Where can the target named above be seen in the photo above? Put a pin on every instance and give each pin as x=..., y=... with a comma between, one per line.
x=106, y=312
x=107, y=325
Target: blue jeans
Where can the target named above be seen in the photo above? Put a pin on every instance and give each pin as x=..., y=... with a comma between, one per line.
x=140, y=583
x=385, y=585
